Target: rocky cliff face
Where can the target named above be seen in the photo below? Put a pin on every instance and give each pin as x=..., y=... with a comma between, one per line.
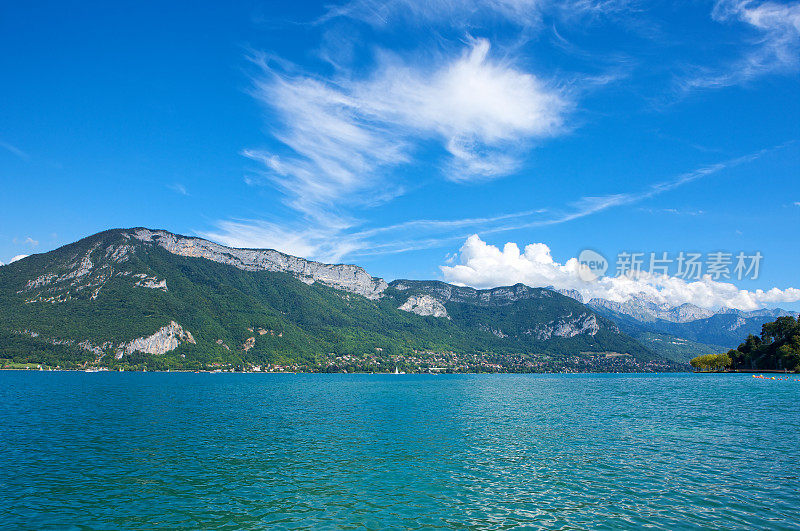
x=424, y=305
x=495, y=296
x=571, y=293
x=646, y=311
x=87, y=271
x=569, y=326
x=165, y=339
x=430, y=297
x=162, y=341
x=344, y=277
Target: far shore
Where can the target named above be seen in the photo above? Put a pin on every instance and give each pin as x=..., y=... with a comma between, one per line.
x=187, y=371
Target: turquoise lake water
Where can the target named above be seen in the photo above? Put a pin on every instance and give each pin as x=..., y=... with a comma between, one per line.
x=250, y=451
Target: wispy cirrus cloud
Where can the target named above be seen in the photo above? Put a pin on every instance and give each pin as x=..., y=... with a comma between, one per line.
x=29, y=241
x=178, y=188
x=346, y=140
x=674, y=211
x=383, y=12
x=14, y=149
x=773, y=44
x=460, y=13
x=332, y=242
x=320, y=242
x=589, y=205
x=344, y=135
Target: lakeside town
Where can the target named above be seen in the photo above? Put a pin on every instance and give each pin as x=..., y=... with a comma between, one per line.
x=419, y=362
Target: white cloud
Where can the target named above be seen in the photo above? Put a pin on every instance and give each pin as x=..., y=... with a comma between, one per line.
x=178, y=188
x=345, y=134
x=482, y=265
x=331, y=238
x=457, y=12
x=15, y=150
x=674, y=211
x=329, y=243
x=18, y=257
x=464, y=13
x=317, y=244
x=775, y=46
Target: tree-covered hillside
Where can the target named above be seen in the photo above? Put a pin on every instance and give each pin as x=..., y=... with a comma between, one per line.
x=118, y=300
x=777, y=348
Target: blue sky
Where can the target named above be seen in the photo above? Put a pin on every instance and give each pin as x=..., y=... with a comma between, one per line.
x=387, y=133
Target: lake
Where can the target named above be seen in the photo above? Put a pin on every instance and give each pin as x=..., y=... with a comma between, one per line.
x=249, y=451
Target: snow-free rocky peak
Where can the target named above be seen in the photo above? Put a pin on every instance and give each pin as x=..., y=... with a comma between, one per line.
x=340, y=276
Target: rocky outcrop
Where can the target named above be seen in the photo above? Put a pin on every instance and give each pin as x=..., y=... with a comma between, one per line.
x=489, y=297
x=738, y=323
x=81, y=274
x=164, y=340
x=648, y=311
x=495, y=331
x=424, y=305
x=344, y=277
x=571, y=293
x=585, y=323
x=222, y=344
x=150, y=282
x=249, y=344
x=77, y=270
x=97, y=350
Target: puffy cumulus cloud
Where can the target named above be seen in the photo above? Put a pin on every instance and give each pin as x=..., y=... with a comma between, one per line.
x=18, y=257
x=482, y=265
x=344, y=134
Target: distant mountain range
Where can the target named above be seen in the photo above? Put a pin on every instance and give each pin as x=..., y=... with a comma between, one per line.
x=681, y=332
x=138, y=298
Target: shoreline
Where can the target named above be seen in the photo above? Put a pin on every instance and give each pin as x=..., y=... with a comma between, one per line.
x=428, y=373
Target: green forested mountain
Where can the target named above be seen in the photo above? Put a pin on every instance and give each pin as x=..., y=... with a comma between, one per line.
x=138, y=297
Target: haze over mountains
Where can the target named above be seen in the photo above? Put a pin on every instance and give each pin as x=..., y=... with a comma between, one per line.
x=141, y=297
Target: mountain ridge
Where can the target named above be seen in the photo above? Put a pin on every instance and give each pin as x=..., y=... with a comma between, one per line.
x=134, y=296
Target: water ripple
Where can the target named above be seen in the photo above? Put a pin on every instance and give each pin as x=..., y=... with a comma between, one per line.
x=188, y=451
